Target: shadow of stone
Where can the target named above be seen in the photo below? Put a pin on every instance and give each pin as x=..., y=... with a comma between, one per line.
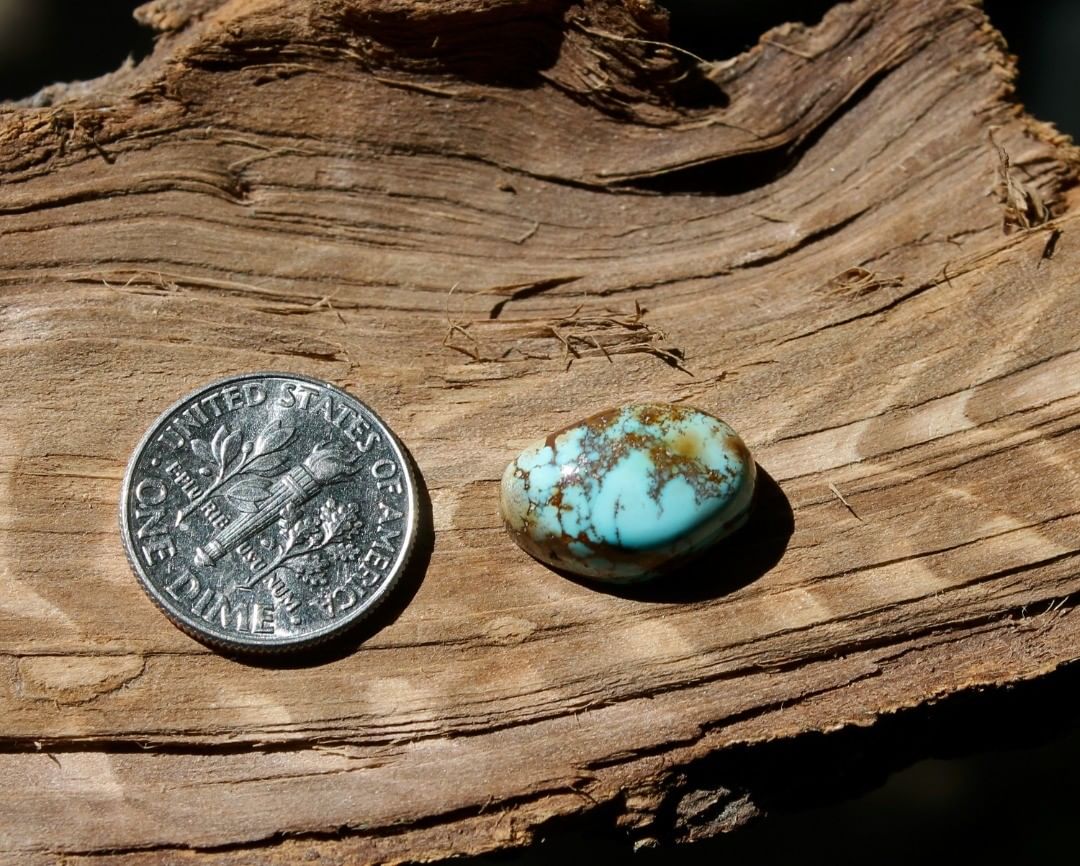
x=733, y=562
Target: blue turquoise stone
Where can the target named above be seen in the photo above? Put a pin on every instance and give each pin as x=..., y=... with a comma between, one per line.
x=629, y=493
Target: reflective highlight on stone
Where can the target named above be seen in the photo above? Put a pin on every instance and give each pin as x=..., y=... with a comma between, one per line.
x=628, y=493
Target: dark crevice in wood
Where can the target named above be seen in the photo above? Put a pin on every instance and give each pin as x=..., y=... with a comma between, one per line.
x=806, y=240
x=823, y=768
x=757, y=170
x=866, y=314
x=723, y=177
x=811, y=770
x=717, y=31
x=508, y=46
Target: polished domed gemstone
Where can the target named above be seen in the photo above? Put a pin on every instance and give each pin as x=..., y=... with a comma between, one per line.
x=628, y=493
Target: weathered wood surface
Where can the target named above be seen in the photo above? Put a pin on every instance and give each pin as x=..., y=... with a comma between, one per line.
x=438, y=206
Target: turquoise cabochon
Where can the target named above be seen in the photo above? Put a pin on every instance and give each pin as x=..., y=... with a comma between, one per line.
x=629, y=493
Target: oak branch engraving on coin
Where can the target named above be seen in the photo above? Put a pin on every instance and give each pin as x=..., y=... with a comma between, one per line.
x=268, y=511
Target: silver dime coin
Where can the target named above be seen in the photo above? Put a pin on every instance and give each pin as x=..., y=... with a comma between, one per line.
x=268, y=511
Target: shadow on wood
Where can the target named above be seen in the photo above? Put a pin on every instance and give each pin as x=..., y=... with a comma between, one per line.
x=729, y=565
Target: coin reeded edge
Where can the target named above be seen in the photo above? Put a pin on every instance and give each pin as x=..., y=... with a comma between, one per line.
x=285, y=644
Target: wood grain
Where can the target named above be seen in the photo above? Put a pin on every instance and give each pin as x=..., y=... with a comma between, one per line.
x=487, y=219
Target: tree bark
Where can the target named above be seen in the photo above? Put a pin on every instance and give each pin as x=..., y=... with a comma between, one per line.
x=488, y=219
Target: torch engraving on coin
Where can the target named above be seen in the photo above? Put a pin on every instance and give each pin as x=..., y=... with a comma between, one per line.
x=268, y=511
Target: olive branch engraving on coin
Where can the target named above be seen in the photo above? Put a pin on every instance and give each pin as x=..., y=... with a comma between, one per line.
x=311, y=533
x=235, y=457
x=262, y=502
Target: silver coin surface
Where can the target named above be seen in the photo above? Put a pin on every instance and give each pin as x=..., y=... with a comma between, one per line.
x=268, y=512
